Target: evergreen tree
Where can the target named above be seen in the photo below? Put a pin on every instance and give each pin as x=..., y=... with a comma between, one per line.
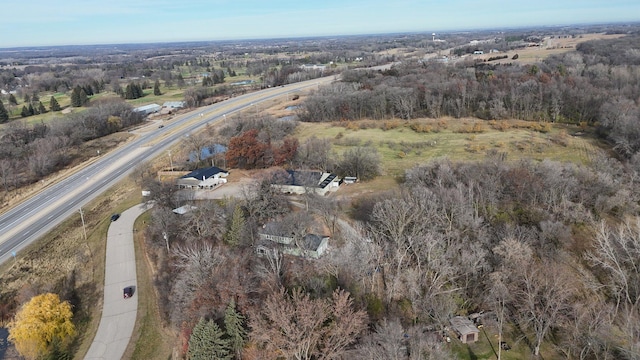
x=31, y=110
x=26, y=98
x=128, y=92
x=88, y=90
x=75, y=97
x=41, y=108
x=78, y=97
x=156, y=88
x=35, y=98
x=206, y=342
x=4, y=115
x=233, y=324
x=133, y=91
x=12, y=100
x=53, y=104
x=207, y=81
x=24, y=112
x=84, y=99
x=232, y=237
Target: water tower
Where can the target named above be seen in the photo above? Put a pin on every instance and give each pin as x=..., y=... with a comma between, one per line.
x=433, y=35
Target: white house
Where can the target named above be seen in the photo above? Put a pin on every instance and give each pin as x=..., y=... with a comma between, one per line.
x=207, y=178
x=299, y=182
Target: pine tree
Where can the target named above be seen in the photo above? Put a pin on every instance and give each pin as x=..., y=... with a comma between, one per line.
x=13, y=100
x=31, y=110
x=232, y=237
x=41, y=108
x=78, y=97
x=35, y=98
x=233, y=324
x=84, y=99
x=4, y=115
x=24, y=112
x=54, y=105
x=26, y=98
x=156, y=88
x=75, y=97
x=206, y=342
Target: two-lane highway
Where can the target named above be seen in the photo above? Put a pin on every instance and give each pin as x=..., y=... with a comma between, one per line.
x=39, y=214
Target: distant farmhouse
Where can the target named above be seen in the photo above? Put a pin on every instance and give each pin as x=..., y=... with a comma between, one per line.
x=207, y=178
x=313, y=67
x=299, y=182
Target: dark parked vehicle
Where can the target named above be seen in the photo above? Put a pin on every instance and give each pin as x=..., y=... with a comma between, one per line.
x=128, y=292
x=115, y=217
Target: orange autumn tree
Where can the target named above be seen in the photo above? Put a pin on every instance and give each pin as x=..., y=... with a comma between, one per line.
x=41, y=325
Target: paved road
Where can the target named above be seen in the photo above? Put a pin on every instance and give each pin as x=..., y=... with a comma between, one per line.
x=39, y=214
x=118, y=313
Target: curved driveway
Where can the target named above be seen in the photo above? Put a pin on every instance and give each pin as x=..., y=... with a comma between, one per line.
x=118, y=313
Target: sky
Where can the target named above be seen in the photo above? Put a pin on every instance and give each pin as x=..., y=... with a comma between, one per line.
x=87, y=22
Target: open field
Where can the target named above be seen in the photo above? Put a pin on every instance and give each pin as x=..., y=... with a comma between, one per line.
x=401, y=147
x=550, y=46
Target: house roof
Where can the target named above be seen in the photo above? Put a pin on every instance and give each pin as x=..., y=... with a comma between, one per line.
x=204, y=173
x=147, y=107
x=312, y=241
x=463, y=325
x=302, y=178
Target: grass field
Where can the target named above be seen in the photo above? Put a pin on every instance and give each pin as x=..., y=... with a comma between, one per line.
x=401, y=147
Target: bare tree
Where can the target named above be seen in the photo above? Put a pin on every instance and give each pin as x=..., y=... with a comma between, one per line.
x=617, y=252
x=542, y=297
x=386, y=343
x=314, y=153
x=299, y=327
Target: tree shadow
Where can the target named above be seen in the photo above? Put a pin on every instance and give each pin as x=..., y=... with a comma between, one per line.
x=472, y=356
x=4, y=342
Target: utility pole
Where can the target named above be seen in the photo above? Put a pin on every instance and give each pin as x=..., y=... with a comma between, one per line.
x=86, y=242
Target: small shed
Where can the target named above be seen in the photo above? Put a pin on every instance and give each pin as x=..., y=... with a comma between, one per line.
x=466, y=330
